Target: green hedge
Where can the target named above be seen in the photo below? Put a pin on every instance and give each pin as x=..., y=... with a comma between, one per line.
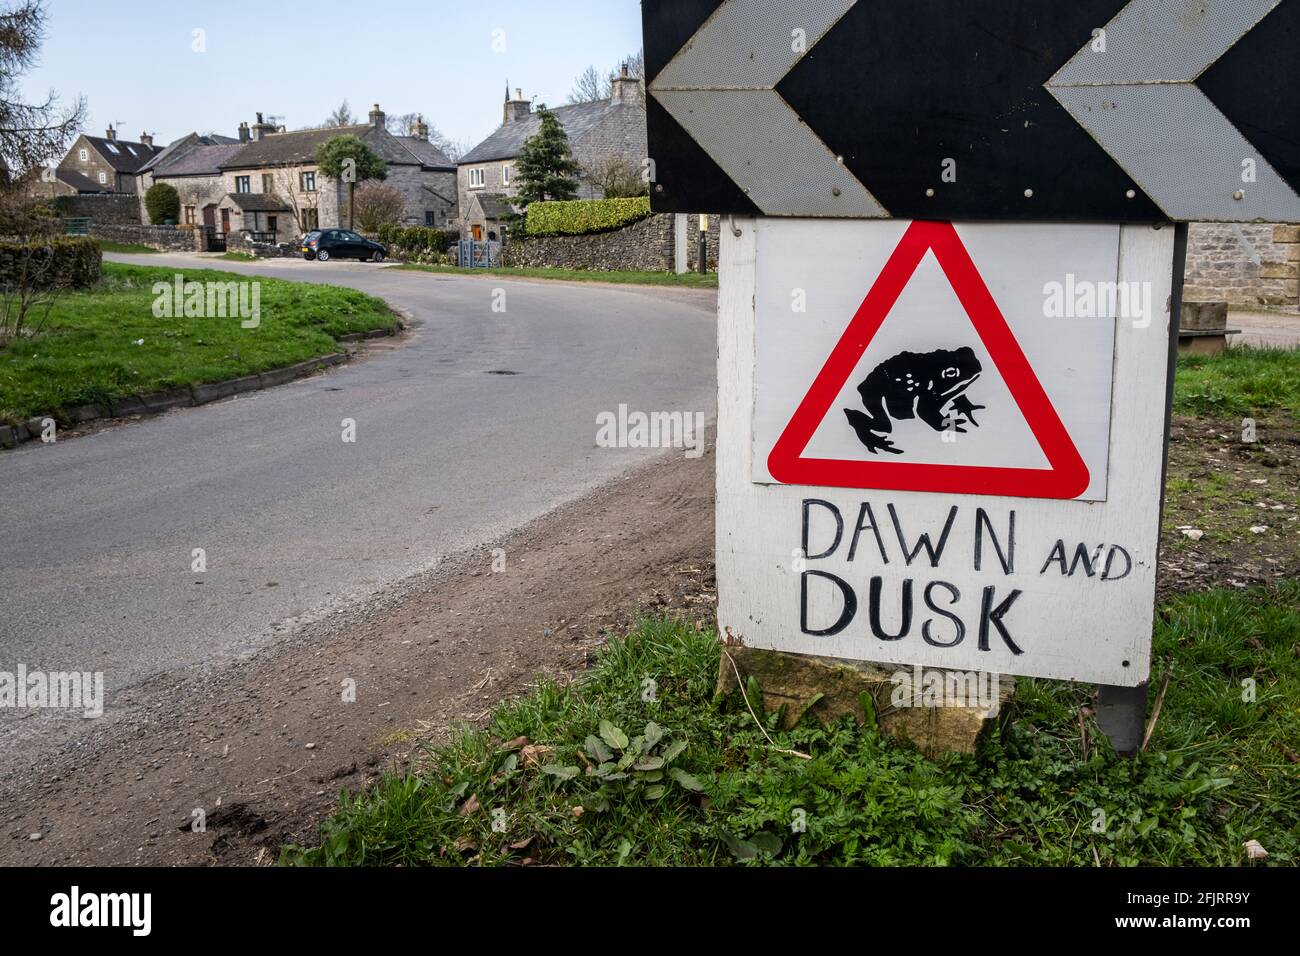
x=581, y=217
x=417, y=239
x=77, y=263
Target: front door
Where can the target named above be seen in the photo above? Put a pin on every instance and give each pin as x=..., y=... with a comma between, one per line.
x=478, y=233
x=210, y=216
x=225, y=222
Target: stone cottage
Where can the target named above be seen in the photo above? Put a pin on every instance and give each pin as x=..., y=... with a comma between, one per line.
x=599, y=132
x=274, y=188
x=106, y=162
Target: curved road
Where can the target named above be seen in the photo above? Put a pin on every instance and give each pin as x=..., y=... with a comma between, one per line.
x=95, y=557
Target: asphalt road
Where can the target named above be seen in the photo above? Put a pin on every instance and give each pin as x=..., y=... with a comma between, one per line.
x=95, y=558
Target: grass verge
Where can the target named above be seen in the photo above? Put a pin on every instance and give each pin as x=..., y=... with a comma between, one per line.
x=105, y=343
x=133, y=248
x=712, y=791
x=1239, y=382
x=690, y=280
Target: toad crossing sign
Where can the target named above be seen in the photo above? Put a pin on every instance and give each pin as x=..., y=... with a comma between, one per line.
x=943, y=444
x=944, y=379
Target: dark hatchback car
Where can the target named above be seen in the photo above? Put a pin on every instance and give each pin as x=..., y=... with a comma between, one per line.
x=327, y=244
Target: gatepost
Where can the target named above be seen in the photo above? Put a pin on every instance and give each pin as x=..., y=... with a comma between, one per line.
x=950, y=287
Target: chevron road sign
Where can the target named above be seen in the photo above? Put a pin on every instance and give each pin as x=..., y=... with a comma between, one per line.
x=1093, y=110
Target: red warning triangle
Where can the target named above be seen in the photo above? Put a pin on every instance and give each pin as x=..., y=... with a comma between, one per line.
x=1067, y=477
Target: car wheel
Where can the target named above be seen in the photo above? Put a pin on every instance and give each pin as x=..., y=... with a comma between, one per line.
x=377, y=257
x=310, y=256
x=323, y=256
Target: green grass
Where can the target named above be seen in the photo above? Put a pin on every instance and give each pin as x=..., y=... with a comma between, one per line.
x=88, y=351
x=1240, y=382
x=236, y=257
x=133, y=248
x=1217, y=773
x=692, y=280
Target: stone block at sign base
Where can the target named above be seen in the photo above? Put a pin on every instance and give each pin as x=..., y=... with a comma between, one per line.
x=792, y=681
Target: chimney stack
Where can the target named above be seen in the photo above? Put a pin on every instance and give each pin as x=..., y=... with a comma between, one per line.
x=518, y=108
x=626, y=87
x=378, y=119
x=262, y=129
x=111, y=135
x=420, y=129
x=146, y=139
x=244, y=135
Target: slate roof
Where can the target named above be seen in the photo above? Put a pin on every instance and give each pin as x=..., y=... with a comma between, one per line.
x=508, y=141
x=183, y=145
x=495, y=205
x=428, y=154
x=258, y=202
x=123, y=156
x=300, y=147
x=197, y=161
x=82, y=184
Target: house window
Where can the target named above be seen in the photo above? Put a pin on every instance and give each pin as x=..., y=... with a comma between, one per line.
x=310, y=220
x=272, y=223
x=103, y=178
x=243, y=185
x=476, y=179
x=430, y=217
x=505, y=175
x=189, y=215
x=83, y=155
x=308, y=181
x=268, y=183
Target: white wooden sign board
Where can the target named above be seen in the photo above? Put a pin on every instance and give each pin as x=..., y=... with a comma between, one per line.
x=939, y=445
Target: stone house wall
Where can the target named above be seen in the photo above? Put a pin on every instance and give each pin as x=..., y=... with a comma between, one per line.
x=94, y=165
x=196, y=191
x=1220, y=269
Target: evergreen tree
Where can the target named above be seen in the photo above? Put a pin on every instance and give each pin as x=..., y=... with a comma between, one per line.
x=545, y=168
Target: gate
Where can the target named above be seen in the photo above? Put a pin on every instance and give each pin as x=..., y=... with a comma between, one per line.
x=478, y=255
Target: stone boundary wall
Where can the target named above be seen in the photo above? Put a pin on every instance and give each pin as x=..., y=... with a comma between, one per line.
x=162, y=238
x=1220, y=269
x=645, y=246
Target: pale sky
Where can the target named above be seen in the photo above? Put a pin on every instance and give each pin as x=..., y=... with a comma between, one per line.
x=135, y=60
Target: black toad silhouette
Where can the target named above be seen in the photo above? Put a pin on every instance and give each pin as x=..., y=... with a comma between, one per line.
x=929, y=386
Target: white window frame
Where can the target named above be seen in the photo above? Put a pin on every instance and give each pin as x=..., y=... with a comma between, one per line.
x=103, y=179
x=477, y=178
x=505, y=174
x=83, y=155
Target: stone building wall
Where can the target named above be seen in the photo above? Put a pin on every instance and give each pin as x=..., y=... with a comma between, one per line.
x=117, y=209
x=1220, y=268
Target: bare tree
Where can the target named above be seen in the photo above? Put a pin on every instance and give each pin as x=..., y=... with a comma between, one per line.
x=378, y=205
x=286, y=179
x=30, y=133
x=616, y=176
x=30, y=267
x=592, y=86
x=589, y=87
x=342, y=116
